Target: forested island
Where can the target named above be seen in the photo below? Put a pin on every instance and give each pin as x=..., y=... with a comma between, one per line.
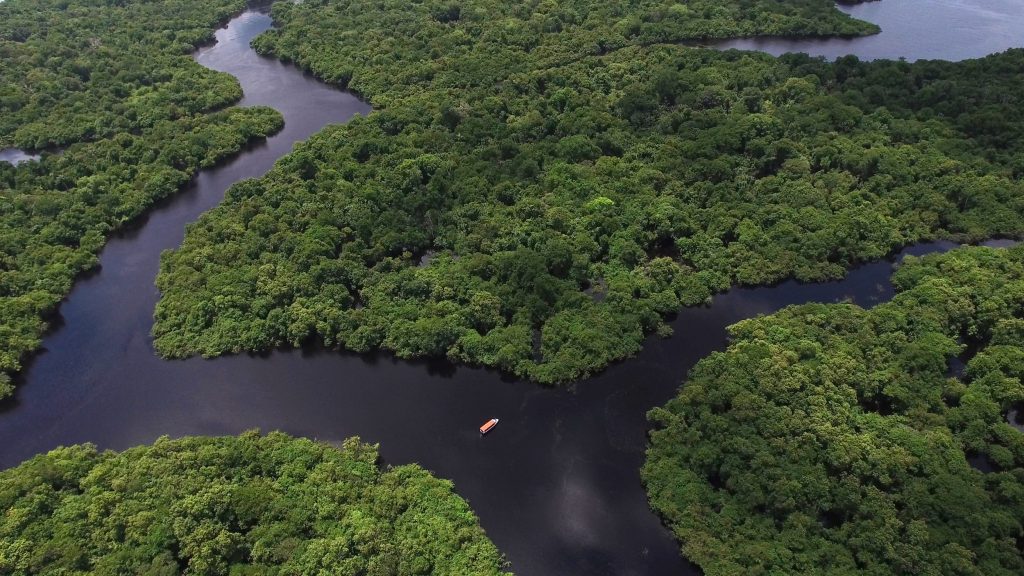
x=542, y=184
x=830, y=439
x=243, y=505
x=109, y=92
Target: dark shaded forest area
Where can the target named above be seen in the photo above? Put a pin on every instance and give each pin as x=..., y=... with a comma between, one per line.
x=830, y=439
x=544, y=183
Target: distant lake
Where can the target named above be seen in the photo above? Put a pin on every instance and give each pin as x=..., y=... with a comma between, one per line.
x=913, y=30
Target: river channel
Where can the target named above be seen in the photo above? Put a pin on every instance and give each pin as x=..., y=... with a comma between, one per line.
x=913, y=30
x=556, y=485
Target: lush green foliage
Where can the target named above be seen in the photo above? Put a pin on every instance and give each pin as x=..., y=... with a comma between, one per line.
x=114, y=82
x=829, y=439
x=237, y=505
x=572, y=181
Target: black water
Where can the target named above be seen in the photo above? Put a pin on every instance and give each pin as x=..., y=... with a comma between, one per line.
x=556, y=485
x=915, y=30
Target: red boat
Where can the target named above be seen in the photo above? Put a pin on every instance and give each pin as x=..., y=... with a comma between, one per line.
x=489, y=425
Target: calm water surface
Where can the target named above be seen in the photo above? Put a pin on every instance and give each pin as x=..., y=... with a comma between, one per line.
x=914, y=30
x=556, y=485
x=15, y=156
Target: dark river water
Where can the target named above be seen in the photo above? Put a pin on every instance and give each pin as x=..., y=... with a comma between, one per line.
x=914, y=30
x=556, y=485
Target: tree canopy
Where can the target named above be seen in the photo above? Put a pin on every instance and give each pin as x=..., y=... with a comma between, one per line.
x=114, y=83
x=830, y=439
x=543, y=183
x=242, y=505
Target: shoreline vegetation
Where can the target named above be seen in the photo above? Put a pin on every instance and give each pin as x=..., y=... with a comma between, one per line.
x=832, y=439
x=244, y=505
x=537, y=151
x=113, y=84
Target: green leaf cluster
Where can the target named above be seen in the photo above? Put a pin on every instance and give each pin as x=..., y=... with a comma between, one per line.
x=830, y=439
x=239, y=506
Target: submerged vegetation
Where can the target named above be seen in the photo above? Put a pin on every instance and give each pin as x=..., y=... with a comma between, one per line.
x=115, y=84
x=242, y=505
x=830, y=439
x=576, y=174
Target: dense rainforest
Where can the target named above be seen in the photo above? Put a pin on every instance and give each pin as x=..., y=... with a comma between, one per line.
x=242, y=505
x=108, y=90
x=543, y=183
x=830, y=439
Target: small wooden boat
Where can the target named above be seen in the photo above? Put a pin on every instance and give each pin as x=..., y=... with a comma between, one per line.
x=489, y=425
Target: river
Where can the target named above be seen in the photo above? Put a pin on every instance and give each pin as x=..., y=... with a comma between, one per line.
x=556, y=485
x=913, y=30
